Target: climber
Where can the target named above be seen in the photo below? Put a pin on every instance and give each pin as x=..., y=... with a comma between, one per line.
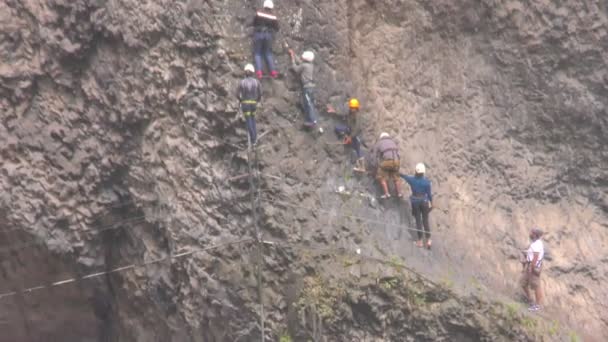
x=265, y=26
x=305, y=70
x=387, y=156
x=422, y=203
x=249, y=94
x=351, y=132
x=532, y=267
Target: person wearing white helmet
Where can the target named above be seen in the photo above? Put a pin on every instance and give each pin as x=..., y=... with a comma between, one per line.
x=249, y=93
x=386, y=152
x=421, y=201
x=305, y=69
x=265, y=26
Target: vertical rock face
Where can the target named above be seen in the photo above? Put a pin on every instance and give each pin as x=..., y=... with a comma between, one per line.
x=119, y=144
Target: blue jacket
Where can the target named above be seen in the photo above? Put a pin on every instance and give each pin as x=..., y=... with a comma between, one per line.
x=421, y=188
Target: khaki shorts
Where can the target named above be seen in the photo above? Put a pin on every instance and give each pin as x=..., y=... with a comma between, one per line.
x=529, y=280
x=388, y=169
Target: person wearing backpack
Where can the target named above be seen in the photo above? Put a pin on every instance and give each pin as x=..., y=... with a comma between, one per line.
x=532, y=267
x=387, y=156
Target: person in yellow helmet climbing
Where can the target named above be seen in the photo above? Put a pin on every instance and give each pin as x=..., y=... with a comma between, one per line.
x=386, y=152
x=351, y=132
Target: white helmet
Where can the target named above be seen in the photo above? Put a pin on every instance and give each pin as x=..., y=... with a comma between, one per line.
x=420, y=168
x=308, y=56
x=268, y=4
x=384, y=135
x=249, y=68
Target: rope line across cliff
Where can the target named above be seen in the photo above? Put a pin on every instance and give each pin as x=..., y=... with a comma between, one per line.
x=360, y=218
x=122, y=268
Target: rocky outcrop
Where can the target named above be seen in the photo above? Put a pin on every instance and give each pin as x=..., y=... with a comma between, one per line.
x=120, y=146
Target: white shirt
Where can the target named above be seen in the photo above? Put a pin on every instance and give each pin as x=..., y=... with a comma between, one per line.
x=536, y=247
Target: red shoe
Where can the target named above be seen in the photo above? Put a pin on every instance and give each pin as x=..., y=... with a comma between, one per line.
x=259, y=74
x=274, y=74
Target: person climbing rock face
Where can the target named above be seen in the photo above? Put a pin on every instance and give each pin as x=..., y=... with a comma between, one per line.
x=265, y=26
x=305, y=69
x=351, y=132
x=387, y=155
x=249, y=93
x=422, y=203
x=532, y=269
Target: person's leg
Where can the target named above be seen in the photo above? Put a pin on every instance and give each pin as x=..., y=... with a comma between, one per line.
x=418, y=218
x=356, y=145
x=425, y=220
x=537, y=289
x=258, y=49
x=305, y=106
x=268, y=54
x=396, y=178
x=312, y=111
x=253, y=135
x=524, y=283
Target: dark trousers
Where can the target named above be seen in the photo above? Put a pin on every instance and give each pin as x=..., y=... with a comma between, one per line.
x=249, y=113
x=343, y=130
x=262, y=50
x=421, y=210
x=308, y=103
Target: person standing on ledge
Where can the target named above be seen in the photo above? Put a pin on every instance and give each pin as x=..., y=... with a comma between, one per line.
x=422, y=203
x=532, y=267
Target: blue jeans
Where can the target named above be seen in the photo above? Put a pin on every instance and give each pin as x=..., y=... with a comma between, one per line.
x=249, y=113
x=262, y=49
x=308, y=103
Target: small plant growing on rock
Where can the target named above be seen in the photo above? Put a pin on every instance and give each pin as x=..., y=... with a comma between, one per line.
x=574, y=337
x=395, y=262
x=285, y=337
x=389, y=283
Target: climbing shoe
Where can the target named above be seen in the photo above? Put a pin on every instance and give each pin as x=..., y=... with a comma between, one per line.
x=274, y=74
x=259, y=74
x=385, y=196
x=419, y=243
x=429, y=244
x=534, y=308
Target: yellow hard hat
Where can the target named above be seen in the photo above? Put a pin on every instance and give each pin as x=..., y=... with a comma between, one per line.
x=353, y=103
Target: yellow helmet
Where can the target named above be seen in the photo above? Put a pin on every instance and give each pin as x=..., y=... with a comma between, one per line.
x=353, y=103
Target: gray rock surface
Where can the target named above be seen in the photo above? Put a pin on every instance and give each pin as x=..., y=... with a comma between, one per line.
x=119, y=137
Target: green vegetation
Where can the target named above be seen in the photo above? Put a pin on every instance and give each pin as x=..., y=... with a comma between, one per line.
x=389, y=283
x=395, y=262
x=319, y=298
x=574, y=337
x=350, y=261
x=554, y=329
x=285, y=337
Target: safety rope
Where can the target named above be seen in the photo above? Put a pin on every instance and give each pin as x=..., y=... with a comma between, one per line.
x=254, y=195
x=360, y=218
x=122, y=268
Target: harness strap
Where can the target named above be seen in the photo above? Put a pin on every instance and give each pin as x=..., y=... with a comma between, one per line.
x=249, y=102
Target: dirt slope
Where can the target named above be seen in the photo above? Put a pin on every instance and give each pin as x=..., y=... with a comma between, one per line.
x=118, y=139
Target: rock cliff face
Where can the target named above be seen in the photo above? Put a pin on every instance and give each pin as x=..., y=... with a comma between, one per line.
x=119, y=146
